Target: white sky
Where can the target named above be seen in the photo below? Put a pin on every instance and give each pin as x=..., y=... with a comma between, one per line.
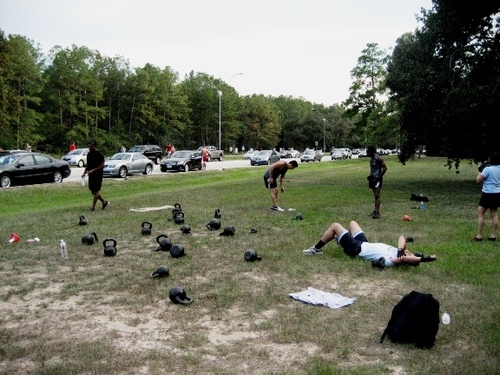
x=299, y=48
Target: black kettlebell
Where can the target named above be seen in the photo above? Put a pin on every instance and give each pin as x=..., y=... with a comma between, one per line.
x=217, y=214
x=161, y=271
x=177, y=208
x=178, y=296
x=179, y=217
x=146, y=228
x=90, y=238
x=177, y=251
x=109, y=250
x=82, y=221
x=164, y=243
x=186, y=229
x=214, y=224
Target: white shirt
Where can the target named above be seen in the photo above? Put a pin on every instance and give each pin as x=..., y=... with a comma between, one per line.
x=374, y=251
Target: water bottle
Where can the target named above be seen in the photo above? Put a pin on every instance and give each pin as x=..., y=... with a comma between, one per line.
x=64, y=250
x=422, y=206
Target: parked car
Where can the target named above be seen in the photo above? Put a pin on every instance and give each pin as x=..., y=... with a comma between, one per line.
x=214, y=153
x=362, y=153
x=265, y=157
x=126, y=163
x=184, y=160
x=295, y=154
x=310, y=155
x=77, y=157
x=7, y=152
x=337, y=154
x=249, y=154
x=31, y=167
x=152, y=152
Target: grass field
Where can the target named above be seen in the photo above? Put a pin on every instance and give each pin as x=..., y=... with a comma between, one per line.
x=97, y=315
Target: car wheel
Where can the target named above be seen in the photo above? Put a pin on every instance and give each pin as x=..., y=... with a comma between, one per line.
x=157, y=160
x=5, y=181
x=186, y=168
x=122, y=172
x=148, y=170
x=57, y=177
x=81, y=164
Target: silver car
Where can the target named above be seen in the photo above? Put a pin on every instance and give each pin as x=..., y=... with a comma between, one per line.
x=77, y=157
x=126, y=163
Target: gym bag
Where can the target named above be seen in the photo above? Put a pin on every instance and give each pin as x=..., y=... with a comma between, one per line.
x=414, y=320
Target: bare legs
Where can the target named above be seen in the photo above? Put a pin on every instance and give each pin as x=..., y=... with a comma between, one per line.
x=480, y=222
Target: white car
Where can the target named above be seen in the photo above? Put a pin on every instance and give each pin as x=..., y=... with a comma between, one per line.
x=247, y=155
x=310, y=155
x=77, y=157
x=125, y=163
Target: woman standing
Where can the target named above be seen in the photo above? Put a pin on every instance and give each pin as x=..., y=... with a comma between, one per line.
x=489, y=175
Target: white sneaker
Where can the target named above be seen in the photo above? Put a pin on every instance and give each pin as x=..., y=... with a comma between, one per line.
x=277, y=208
x=312, y=251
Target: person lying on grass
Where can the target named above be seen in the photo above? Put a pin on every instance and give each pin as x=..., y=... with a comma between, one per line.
x=354, y=243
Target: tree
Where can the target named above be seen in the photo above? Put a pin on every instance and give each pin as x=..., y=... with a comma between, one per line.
x=444, y=79
x=261, y=118
x=367, y=92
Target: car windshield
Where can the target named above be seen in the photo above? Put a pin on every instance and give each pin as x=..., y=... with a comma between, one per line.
x=137, y=149
x=264, y=153
x=180, y=154
x=9, y=159
x=121, y=156
x=309, y=152
x=75, y=152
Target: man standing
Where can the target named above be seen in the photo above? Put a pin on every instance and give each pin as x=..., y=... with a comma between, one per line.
x=95, y=165
x=375, y=179
x=204, y=157
x=276, y=170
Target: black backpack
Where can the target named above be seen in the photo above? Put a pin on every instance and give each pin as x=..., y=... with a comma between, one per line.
x=414, y=320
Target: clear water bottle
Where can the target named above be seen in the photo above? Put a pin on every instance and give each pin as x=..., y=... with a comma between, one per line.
x=64, y=250
x=422, y=206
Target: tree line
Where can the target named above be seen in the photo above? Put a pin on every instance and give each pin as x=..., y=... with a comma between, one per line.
x=438, y=89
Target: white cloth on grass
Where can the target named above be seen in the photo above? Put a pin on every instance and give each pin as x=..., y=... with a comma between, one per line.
x=147, y=209
x=319, y=297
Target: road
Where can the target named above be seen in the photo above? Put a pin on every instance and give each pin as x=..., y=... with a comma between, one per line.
x=76, y=173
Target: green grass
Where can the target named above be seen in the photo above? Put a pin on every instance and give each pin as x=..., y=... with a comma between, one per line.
x=106, y=315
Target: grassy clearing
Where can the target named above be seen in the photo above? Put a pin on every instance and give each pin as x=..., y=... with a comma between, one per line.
x=105, y=315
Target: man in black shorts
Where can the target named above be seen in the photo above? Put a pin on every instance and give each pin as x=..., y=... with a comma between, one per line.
x=375, y=179
x=95, y=165
x=276, y=170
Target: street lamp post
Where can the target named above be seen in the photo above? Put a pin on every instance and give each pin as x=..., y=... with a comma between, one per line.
x=219, y=94
x=324, y=129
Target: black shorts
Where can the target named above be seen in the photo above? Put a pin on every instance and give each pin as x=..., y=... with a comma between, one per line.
x=490, y=200
x=268, y=185
x=95, y=183
x=352, y=245
x=374, y=183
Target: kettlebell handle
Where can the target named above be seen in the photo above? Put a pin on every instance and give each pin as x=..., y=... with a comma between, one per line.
x=147, y=224
x=159, y=237
x=108, y=240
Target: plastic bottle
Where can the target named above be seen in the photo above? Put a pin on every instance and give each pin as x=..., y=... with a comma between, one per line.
x=422, y=206
x=64, y=250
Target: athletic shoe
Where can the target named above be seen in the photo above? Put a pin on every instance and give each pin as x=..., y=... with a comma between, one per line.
x=312, y=251
x=105, y=205
x=277, y=208
x=92, y=209
x=375, y=215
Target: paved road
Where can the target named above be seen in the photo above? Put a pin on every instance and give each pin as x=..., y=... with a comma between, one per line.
x=76, y=172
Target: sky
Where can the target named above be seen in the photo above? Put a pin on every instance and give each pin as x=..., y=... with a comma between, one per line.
x=299, y=48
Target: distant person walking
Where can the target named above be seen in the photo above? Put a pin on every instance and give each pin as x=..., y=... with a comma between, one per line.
x=489, y=175
x=123, y=149
x=72, y=146
x=376, y=177
x=95, y=165
x=205, y=154
x=28, y=147
x=276, y=170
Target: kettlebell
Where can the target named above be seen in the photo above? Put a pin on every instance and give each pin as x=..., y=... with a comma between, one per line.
x=185, y=229
x=217, y=213
x=177, y=251
x=161, y=271
x=178, y=296
x=82, y=221
x=214, y=224
x=109, y=250
x=179, y=217
x=89, y=239
x=146, y=228
x=177, y=208
x=164, y=243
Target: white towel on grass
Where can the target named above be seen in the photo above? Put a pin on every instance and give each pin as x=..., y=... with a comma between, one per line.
x=319, y=297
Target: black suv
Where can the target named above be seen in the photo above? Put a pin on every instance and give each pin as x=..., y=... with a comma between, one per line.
x=152, y=152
